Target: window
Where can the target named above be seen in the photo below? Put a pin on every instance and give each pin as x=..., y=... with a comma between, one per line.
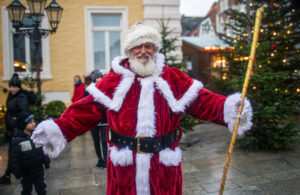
x=18, y=50
x=24, y=58
x=104, y=30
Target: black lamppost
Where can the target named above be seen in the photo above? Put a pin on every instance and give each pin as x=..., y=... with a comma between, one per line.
x=34, y=32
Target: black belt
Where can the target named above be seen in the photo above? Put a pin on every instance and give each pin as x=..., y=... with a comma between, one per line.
x=143, y=144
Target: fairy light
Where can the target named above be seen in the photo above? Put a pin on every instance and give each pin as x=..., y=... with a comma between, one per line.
x=295, y=70
x=276, y=89
x=224, y=77
x=293, y=10
x=288, y=32
x=274, y=33
x=298, y=90
x=272, y=54
x=260, y=66
x=251, y=4
x=291, y=24
x=284, y=60
x=261, y=30
x=254, y=87
x=286, y=91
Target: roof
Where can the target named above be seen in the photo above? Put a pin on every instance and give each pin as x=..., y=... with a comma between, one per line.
x=205, y=41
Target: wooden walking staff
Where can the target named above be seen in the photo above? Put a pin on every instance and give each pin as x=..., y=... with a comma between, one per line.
x=245, y=86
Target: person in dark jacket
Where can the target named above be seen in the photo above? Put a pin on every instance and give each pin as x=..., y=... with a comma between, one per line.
x=16, y=102
x=99, y=132
x=27, y=159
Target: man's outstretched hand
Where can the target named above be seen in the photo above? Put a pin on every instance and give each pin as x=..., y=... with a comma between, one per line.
x=49, y=135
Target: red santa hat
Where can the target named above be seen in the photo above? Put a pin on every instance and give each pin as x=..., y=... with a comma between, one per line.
x=141, y=33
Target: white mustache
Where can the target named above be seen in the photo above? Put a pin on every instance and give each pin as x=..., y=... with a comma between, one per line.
x=143, y=55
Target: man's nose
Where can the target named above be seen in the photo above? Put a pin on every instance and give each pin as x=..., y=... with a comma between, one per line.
x=143, y=49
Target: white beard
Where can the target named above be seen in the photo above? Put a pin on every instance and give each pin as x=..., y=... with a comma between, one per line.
x=141, y=69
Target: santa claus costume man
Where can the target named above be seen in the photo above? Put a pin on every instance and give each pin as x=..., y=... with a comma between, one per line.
x=143, y=100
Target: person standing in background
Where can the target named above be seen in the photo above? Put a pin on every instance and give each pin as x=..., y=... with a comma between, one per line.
x=99, y=132
x=16, y=102
x=79, y=89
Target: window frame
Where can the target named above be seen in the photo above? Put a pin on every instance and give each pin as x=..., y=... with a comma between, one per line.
x=7, y=49
x=89, y=29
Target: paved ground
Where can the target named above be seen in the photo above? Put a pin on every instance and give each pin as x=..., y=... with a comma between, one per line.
x=250, y=173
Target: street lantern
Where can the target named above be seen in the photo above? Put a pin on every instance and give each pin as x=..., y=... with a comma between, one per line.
x=36, y=7
x=54, y=12
x=16, y=13
x=34, y=32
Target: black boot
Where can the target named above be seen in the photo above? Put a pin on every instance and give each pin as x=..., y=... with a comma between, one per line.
x=99, y=164
x=5, y=179
x=104, y=164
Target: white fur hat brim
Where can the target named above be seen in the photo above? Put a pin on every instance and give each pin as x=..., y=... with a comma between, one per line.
x=140, y=34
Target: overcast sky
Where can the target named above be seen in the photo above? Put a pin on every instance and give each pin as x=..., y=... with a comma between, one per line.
x=195, y=7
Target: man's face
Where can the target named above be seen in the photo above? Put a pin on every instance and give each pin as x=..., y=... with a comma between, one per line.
x=143, y=52
x=31, y=125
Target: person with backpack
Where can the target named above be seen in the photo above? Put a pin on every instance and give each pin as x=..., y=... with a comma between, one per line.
x=17, y=101
x=27, y=158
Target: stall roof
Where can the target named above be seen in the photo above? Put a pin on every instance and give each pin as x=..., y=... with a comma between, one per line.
x=205, y=41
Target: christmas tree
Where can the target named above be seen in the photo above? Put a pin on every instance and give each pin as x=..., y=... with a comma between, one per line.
x=274, y=88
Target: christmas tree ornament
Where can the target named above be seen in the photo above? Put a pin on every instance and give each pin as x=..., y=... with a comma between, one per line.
x=275, y=5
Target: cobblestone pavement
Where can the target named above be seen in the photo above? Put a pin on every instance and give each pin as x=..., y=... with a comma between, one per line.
x=204, y=154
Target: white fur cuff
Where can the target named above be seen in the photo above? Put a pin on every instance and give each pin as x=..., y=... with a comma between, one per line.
x=121, y=157
x=170, y=157
x=50, y=136
x=231, y=107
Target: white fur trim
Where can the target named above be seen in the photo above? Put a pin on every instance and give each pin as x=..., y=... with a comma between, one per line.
x=142, y=174
x=139, y=34
x=48, y=134
x=169, y=157
x=160, y=63
x=188, y=97
x=121, y=157
x=120, y=69
x=118, y=96
x=145, y=127
x=146, y=110
x=231, y=107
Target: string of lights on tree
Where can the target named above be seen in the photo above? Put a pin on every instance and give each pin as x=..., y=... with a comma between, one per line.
x=274, y=33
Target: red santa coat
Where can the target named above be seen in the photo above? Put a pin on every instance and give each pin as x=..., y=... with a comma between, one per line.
x=78, y=92
x=136, y=106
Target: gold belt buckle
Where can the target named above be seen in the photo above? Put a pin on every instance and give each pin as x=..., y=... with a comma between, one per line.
x=138, y=145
